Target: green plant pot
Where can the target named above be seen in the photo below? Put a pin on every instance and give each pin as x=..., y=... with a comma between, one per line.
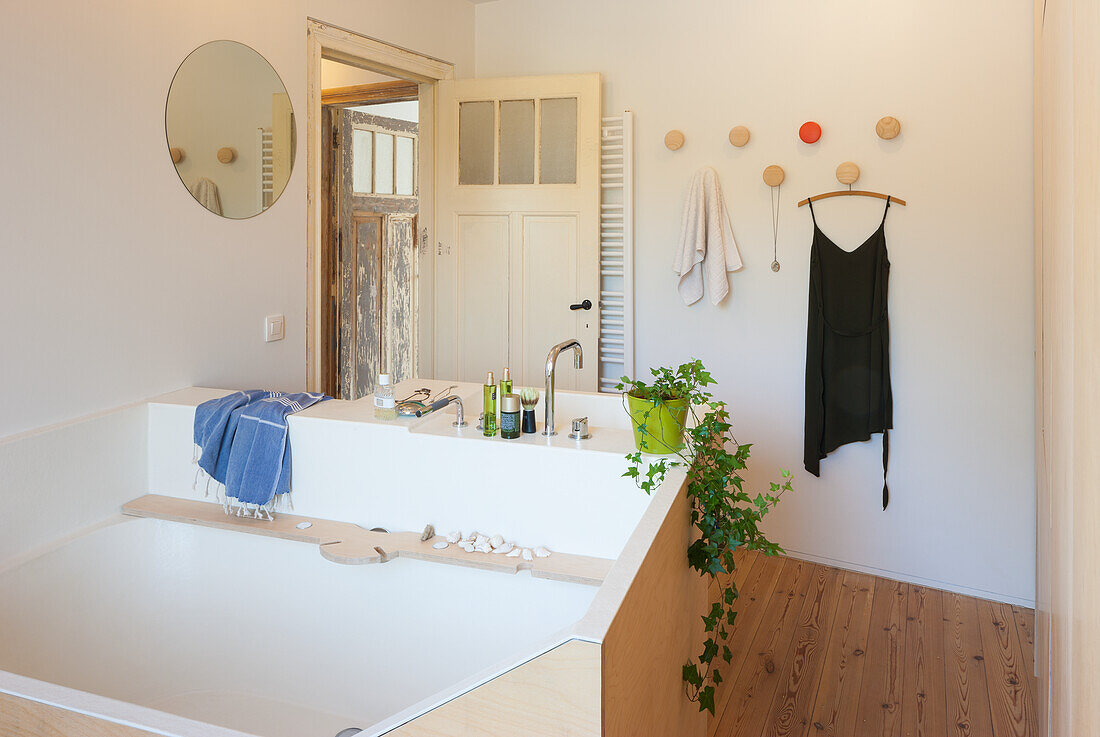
x=664, y=427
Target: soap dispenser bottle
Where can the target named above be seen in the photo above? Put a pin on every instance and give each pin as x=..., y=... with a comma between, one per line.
x=489, y=407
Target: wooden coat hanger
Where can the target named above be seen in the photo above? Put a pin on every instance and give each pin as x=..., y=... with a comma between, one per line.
x=848, y=173
x=851, y=193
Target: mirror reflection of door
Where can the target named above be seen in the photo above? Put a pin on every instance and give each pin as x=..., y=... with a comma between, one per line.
x=518, y=202
x=373, y=224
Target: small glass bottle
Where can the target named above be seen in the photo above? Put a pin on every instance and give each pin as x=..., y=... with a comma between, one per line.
x=505, y=383
x=489, y=407
x=509, y=417
x=385, y=407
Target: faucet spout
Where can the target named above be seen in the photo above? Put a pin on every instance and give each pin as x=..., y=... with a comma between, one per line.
x=551, y=361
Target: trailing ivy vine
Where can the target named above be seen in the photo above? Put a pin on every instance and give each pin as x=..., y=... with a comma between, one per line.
x=726, y=515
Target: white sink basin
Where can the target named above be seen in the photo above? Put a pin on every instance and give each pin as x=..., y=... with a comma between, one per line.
x=602, y=410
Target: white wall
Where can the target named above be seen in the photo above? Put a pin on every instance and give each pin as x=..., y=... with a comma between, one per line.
x=958, y=76
x=117, y=285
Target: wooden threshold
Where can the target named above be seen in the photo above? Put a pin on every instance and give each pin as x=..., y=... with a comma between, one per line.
x=362, y=94
x=350, y=544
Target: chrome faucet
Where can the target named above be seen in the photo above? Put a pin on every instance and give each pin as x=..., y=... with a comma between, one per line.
x=459, y=422
x=551, y=359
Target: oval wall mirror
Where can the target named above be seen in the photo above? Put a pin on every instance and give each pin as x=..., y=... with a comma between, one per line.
x=230, y=129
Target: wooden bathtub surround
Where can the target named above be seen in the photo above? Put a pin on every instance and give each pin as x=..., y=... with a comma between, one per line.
x=657, y=629
x=350, y=544
x=26, y=718
x=553, y=695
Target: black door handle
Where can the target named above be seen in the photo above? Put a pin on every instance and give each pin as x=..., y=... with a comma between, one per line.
x=585, y=305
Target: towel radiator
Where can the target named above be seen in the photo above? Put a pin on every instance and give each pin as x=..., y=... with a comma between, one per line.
x=266, y=142
x=616, y=354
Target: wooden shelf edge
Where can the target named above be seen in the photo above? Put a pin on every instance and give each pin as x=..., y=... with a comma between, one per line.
x=349, y=544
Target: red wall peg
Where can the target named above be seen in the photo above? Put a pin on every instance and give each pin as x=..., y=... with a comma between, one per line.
x=810, y=132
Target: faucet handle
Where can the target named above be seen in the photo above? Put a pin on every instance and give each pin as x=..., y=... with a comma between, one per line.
x=580, y=429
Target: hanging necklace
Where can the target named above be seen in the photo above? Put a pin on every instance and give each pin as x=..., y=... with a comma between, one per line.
x=775, y=225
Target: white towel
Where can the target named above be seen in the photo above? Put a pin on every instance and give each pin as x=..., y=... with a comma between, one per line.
x=206, y=192
x=706, y=241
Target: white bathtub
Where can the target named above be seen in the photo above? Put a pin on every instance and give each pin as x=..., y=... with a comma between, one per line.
x=263, y=635
x=187, y=631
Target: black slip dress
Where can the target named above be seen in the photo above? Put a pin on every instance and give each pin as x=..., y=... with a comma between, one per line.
x=848, y=395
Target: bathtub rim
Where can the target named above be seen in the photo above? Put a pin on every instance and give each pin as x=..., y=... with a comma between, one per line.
x=591, y=627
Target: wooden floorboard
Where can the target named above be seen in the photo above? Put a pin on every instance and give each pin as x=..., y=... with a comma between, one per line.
x=821, y=652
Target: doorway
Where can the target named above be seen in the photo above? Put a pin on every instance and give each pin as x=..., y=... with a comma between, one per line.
x=484, y=257
x=371, y=207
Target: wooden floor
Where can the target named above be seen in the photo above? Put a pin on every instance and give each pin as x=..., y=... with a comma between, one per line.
x=820, y=651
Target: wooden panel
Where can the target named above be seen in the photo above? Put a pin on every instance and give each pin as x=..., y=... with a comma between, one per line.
x=365, y=300
x=916, y=667
x=483, y=244
x=399, y=298
x=549, y=286
x=794, y=699
x=836, y=707
x=359, y=94
x=329, y=257
x=25, y=718
x=967, y=692
x=880, y=696
x=755, y=592
x=657, y=629
x=923, y=696
x=1010, y=698
x=751, y=693
x=349, y=544
x=556, y=694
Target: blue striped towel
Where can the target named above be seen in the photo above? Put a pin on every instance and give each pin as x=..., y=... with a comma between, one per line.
x=242, y=443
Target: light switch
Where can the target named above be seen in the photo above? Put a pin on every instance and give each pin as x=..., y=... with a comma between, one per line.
x=274, y=328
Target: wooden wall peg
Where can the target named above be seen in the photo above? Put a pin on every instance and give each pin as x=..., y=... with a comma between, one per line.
x=674, y=139
x=847, y=173
x=774, y=175
x=177, y=154
x=888, y=128
x=227, y=155
x=739, y=136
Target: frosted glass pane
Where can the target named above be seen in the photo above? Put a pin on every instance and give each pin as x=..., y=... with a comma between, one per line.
x=362, y=144
x=383, y=163
x=405, y=165
x=517, y=142
x=475, y=142
x=558, y=146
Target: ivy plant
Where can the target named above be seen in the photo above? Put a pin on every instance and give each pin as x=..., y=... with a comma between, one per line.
x=726, y=514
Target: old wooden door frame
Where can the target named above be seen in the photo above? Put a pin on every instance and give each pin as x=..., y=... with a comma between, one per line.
x=326, y=41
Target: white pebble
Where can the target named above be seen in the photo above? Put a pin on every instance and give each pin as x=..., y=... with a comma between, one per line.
x=481, y=540
x=483, y=548
x=504, y=548
x=496, y=541
x=471, y=537
x=439, y=545
x=514, y=553
x=467, y=546
x=527, y=554
x=454, y=537
x=542, y=552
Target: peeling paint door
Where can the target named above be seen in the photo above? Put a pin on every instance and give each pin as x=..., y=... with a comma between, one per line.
x=376, y=223
x=517, y=221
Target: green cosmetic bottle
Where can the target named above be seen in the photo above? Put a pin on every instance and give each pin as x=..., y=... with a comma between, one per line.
x=489, y=407
x=505, y=383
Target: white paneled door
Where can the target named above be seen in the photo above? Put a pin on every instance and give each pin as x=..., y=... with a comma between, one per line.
x=518, y=198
